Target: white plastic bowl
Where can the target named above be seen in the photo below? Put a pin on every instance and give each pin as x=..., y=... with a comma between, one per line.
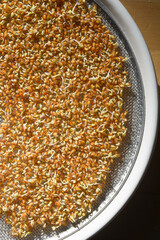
x=143, y=58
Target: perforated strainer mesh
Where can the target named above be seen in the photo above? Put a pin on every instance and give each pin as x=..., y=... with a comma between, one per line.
x=120, y=170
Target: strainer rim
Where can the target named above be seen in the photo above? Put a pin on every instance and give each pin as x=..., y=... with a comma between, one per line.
x=139, y=47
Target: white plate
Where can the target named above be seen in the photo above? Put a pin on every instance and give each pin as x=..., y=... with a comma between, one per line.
x=143, y=58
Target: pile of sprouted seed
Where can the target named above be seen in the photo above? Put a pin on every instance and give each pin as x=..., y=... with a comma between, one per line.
x=61, y=106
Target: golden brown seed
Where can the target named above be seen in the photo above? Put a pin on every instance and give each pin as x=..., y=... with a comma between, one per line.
x=61, y=89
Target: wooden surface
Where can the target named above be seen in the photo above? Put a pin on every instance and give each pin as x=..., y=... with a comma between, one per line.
x=146, y=14
x=140, y=218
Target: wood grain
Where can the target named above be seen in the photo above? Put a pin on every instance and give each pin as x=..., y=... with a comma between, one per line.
x=146, y=14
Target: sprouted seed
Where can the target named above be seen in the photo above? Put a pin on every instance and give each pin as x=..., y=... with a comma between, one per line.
x=61, y=105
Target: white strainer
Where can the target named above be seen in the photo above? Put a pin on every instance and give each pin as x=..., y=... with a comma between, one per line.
x=140, y=100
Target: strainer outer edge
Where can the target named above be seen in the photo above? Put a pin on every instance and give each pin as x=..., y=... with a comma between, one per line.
x=144, y=61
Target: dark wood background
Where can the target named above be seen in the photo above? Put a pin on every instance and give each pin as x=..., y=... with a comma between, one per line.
x=140, y=218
